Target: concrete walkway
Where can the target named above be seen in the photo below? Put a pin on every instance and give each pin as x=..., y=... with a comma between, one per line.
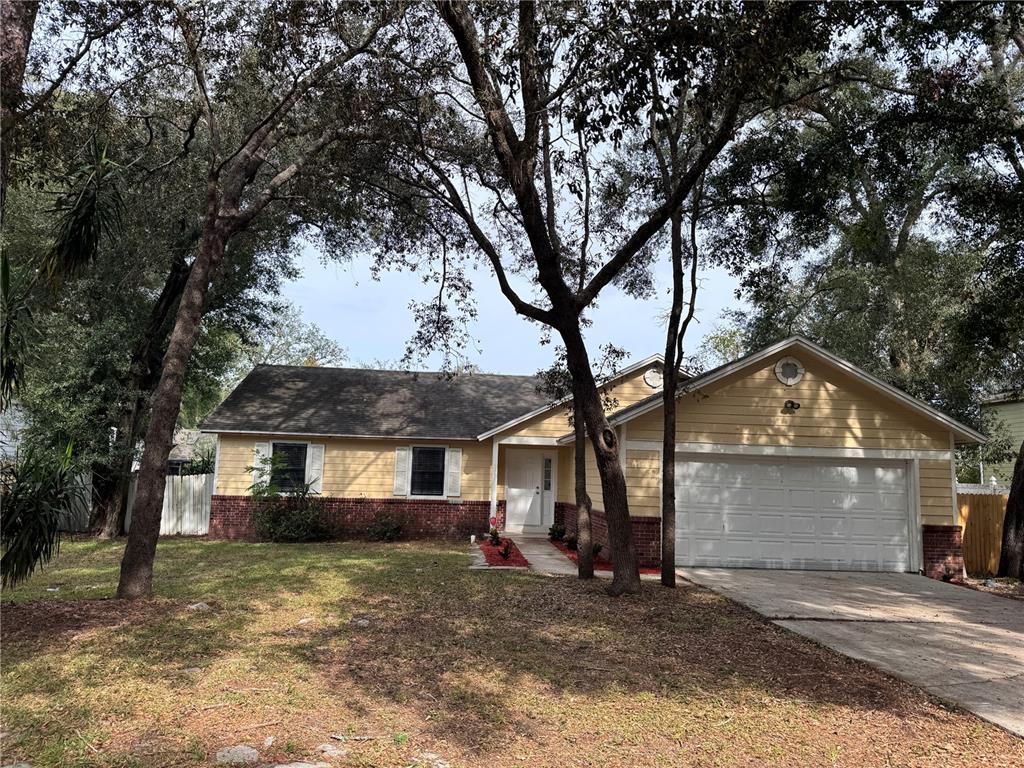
x=543, y=556
x=964, y=646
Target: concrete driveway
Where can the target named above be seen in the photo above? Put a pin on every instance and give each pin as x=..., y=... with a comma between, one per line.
x=964, y=646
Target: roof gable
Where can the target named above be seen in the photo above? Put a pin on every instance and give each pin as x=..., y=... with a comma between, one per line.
x=800, y=345
x=549, y=414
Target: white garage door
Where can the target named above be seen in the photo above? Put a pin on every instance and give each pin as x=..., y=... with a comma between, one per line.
x=792, y=513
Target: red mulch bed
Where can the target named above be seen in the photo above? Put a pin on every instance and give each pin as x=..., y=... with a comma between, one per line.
x=600, y=564
x=493, y=556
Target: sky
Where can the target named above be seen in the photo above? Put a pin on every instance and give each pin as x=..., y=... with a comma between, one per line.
x=372, y=320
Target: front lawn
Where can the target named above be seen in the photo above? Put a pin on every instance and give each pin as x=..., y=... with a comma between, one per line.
x=404, y=647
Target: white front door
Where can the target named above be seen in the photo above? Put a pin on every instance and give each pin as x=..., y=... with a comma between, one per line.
x=524, y=479
x=792, y=513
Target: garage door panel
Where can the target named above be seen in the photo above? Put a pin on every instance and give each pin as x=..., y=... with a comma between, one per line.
x=771, y=498
x=739, y=522
x=793, y=513
x=707, y=548
x=772, y=524
x=738, y=497
x=833, y=525
x=802, y=498
x=707, y=522
x=801, y=524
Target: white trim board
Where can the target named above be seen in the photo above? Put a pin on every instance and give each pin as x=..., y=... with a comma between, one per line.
x=794, y=451
x=545, y=441
x=545, y=408
x=798, y=342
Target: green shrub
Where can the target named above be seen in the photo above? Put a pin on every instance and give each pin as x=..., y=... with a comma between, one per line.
x=295, y=517
x=384, y=528
x=570, y=541
x=494, y=536
x=556, y=532
x=596, y=549
x=506, y=549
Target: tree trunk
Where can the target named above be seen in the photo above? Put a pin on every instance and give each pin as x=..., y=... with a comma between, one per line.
x=143, y=377
x=1011, y=560
x=670, y=383
x=137, y=564
x=104, y=485
x=587, y=398
x=584, y=537
x=17, y=20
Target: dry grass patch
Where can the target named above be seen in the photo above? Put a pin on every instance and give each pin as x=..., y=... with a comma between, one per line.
x=403, y=646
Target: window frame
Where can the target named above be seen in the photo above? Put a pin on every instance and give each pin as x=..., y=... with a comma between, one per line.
x=305, y=463
x=444, y=473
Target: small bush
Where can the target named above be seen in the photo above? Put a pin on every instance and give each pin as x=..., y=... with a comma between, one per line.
x=494, y=537
x=384, y=528
x=556, y=532
x=294, y=518
x=570, y=541
x=506, y=550
x=596, y=549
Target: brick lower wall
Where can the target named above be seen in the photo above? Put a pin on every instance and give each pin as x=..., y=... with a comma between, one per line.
x=231, y=517
x=646, y=532
x=943, y=551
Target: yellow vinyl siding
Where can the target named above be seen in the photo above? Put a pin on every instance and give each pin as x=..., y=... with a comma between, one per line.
x=566, y=490
x=836, y=411
x=623, y=392
x=643, y=483
x=353, y=468
x=936, y=492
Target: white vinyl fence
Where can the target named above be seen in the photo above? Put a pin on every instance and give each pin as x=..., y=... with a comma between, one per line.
x=186, y=505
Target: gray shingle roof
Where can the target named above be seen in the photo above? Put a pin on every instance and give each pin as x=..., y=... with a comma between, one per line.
x=370, y=403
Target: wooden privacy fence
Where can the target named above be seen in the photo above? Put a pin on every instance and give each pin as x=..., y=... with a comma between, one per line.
x=981, y=515
x=186, y=505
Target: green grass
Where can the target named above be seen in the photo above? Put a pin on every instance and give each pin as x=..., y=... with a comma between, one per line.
x=500, y=668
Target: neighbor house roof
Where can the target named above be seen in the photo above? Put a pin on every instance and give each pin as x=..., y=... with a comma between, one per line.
x=962, y=433
x=357, y=402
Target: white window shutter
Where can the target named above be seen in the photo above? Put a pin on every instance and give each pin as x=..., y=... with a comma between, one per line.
x=403, y=457
x=453, y=484
x=315, y=467
x=260, y=452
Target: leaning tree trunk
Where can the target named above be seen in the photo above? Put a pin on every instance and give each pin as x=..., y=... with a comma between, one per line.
x=1011, y=561
x=137, y=564
x=584, y=536
x=143, y=378
x=604, y=441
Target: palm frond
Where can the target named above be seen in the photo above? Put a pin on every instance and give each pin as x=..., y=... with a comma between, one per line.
x=37, y=490
x=89, y=210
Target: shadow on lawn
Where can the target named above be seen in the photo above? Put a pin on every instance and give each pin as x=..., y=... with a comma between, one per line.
x=443, y=643
x=451, y=645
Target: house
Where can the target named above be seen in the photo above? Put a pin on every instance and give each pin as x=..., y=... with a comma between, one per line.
x=789, y=457
x=1009, y=409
